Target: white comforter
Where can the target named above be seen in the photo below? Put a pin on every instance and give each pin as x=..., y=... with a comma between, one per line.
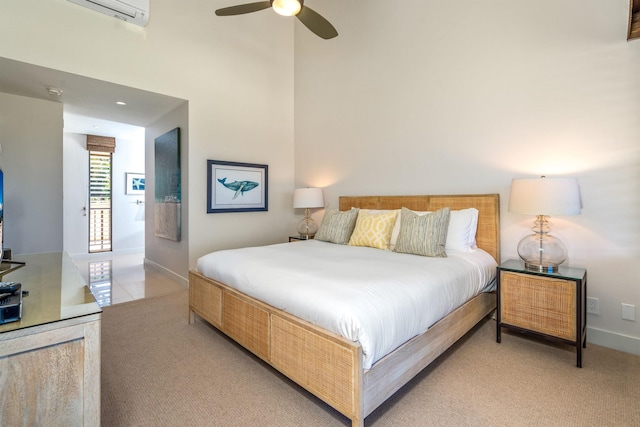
x=378, y=298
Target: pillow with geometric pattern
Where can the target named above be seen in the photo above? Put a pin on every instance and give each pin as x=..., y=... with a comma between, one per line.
x=373, y=229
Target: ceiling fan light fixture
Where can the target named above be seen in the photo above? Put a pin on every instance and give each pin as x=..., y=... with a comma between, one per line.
x=307, y=16
x=286, y=7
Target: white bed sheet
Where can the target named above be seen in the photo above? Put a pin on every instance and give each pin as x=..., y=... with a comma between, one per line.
x=378, y=298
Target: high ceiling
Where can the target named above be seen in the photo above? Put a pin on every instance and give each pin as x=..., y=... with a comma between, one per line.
x=89, y=104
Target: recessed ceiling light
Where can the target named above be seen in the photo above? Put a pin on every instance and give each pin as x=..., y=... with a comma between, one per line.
x=121, y=103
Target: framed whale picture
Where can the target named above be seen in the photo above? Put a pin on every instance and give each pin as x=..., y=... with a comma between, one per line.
x=236, y=187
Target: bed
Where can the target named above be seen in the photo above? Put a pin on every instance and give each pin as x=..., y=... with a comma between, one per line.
x=329, y=365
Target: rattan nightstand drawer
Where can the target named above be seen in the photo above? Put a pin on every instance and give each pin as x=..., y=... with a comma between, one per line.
x=541, y=304
x=551, y=305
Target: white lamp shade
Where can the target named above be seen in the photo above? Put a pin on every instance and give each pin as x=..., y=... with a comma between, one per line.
x=308, y=198
x=545, y=196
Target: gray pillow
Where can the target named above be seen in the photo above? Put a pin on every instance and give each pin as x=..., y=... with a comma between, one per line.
x=423, y=234
x=337, y=226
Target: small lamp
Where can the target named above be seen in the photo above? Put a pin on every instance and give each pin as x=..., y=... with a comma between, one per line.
x=543, y=197
x=306, y=198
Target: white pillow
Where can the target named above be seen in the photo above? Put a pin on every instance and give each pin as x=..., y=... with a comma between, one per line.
x=396, y=230
x=461, y=234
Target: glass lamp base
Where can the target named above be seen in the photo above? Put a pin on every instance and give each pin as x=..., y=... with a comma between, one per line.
x=307, y=228
x=541, y=268
x=542, y=252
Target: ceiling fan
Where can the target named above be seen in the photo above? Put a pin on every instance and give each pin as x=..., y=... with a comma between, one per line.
x=310, y=18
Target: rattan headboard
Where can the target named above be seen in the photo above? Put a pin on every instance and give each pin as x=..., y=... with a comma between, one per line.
x=488, y=205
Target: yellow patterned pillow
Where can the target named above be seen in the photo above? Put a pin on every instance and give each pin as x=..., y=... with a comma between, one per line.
x=373, y=229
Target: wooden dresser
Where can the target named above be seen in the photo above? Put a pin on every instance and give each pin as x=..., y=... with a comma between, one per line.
x=50, y=359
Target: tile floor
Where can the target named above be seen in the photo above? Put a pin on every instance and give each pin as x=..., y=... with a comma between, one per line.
x=115, y=279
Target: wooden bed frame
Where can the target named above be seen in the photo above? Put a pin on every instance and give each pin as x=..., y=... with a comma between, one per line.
x=326, y=364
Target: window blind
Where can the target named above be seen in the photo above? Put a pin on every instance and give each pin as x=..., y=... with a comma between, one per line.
x=105, y=144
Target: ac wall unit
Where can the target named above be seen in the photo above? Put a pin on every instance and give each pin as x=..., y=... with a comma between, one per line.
x=133, y=11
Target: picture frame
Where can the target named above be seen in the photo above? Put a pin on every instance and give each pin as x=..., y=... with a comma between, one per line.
x=237, y=187
x=135, y=183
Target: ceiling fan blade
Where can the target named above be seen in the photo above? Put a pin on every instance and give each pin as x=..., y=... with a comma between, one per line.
x=316, y=23
x=243, y=8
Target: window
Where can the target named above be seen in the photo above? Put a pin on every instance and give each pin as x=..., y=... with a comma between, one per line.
x=99, y=201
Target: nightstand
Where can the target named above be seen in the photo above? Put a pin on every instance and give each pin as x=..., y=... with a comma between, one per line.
x=298, y=238
x=548, y=305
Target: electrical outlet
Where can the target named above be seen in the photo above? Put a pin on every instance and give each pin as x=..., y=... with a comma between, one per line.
x=629, y=312
x=593, y=305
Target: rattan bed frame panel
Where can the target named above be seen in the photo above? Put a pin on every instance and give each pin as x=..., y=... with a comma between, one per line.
x=247, y=323
x=205, y=300
x=317, y=362
x=326, y=364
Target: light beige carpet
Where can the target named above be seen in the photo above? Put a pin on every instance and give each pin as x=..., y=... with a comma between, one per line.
x=157, y=370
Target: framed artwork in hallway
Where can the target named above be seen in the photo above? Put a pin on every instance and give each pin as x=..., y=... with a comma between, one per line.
x=135, y=183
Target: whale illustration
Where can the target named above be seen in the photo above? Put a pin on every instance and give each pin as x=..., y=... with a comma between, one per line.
x=240, y=187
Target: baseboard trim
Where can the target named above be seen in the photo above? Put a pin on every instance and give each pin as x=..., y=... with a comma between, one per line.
x=165, y=271
x=613, y=340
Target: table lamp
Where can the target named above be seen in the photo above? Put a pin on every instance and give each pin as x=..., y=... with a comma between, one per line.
x=307, y=198
x=544, y=197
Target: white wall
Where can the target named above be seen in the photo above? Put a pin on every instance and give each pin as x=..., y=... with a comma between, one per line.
x=128, y=217
x=462, y=97
x=236, y=73
x=31, y=159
